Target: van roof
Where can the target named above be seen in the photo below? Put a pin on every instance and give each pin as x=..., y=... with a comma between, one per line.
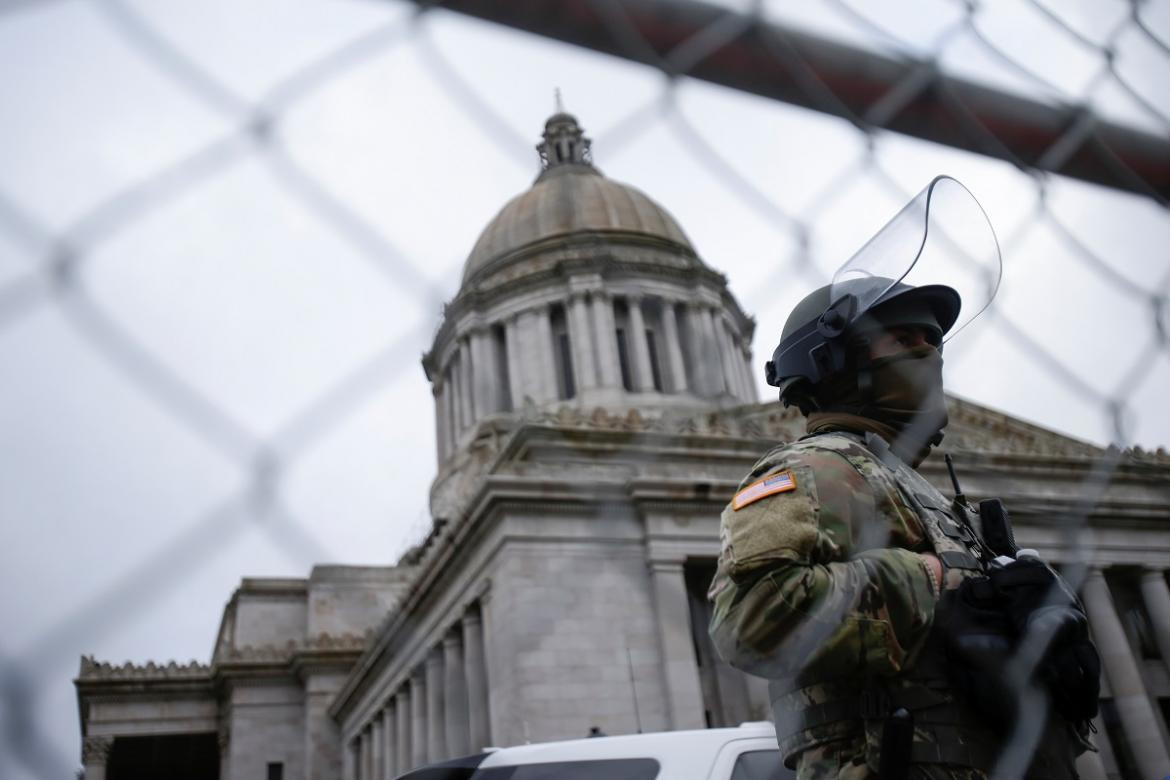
x=666, y=746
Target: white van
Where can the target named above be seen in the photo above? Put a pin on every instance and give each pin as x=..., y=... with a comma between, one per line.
x=745, y=753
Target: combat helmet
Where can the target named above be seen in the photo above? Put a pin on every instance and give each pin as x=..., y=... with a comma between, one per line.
x=937, y=255
x=822, y=337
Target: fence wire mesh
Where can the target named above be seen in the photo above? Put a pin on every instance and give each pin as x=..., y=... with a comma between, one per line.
x=298, y=108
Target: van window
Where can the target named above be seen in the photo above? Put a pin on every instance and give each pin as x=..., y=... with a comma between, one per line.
x=608, y=769
x=760, y=765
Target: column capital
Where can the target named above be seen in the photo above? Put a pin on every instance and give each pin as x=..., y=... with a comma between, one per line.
x=665, y=566
x=1150, y=571
x=96, y=750
x=418, y=675
x=485, y=592
x=403, y=694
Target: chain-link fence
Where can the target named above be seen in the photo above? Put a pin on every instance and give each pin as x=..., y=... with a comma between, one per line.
x=159, y=155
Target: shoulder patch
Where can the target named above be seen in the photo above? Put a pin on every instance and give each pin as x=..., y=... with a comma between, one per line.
x=770, y=485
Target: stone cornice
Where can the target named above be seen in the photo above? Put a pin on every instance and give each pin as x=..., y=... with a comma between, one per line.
x=323, y=651
x=291, y=650
x=92, y=669
x=593, y=241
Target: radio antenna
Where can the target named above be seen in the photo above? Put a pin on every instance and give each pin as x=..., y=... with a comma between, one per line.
x=962, y=499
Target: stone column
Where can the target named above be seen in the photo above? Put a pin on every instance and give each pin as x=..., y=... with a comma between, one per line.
x=491, y=662
x=701, y=343
x=475, y=672
x=643, y=379
x=1156, y=596
x=543, y=354
x=466, y=404
x=449, y=401
x=483, y=369
x=731, y=374
x=680, y=666
x=605, y=337
x=584, y=367
x=403, y=751
x=436, y=728
x=418, y=718
x=95, y=754
x=349, y=761
x=438, y=392
x=714, y=359
x=389, y=738
x=377, y=748
x=1129, y=694
x=455, y=688
x=745, y=361
x=366, y=766
x=676, y=368
x=458, y=421
x=517, y=387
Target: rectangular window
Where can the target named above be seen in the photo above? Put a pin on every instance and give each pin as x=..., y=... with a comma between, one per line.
x=624, y=359
x=500, y=348
x=562, y=353
x=621, y=319
x=655, y=366
x=275, y=770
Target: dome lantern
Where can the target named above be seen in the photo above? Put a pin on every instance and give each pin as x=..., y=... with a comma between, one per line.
x=564, y=144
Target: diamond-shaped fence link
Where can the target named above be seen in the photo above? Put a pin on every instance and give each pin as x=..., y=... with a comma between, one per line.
x=56, y=276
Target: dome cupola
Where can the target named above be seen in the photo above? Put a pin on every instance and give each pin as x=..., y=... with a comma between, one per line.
x=584, y=291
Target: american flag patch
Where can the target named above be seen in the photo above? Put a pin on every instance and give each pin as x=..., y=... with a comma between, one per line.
x=776, y=483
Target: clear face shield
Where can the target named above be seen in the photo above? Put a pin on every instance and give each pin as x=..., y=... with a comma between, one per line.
x=942, y=237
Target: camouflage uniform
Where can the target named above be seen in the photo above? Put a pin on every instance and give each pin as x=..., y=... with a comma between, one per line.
x=821, y=589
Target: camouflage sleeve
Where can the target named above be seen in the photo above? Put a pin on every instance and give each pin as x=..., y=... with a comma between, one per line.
x=806, y=587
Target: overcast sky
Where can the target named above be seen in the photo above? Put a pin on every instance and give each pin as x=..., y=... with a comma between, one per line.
x=126, y=516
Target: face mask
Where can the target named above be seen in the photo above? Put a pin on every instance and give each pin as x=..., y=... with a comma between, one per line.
x=906, y=393
x=904, y=404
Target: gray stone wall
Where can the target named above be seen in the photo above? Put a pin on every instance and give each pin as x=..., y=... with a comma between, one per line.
x=269, y=619
x=569, y=620
x=267, y=725
x=351, y=599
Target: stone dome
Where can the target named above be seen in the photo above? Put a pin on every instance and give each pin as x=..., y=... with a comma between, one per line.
x=570, y=197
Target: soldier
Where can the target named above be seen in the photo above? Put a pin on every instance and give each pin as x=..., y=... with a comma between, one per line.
x=867, y=598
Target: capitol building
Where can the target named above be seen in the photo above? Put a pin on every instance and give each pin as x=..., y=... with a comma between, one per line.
x=595, y=408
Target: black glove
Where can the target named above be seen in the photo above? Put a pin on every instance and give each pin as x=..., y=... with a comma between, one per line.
x=1034, y=601
x=979, y=639
x=1027, y=585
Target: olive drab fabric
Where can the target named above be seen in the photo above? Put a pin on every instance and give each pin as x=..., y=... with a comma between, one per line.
x=822, y=590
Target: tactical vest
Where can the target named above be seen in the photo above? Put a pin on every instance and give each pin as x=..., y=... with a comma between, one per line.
x=947, y=731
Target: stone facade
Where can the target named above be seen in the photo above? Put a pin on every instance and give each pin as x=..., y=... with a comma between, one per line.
x=595, y=410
